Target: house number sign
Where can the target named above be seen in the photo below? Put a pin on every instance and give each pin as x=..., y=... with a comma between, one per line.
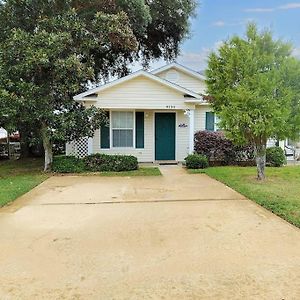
x=170, y=106
x=182, y=125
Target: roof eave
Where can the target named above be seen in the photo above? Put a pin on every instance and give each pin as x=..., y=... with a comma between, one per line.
x=180, y=67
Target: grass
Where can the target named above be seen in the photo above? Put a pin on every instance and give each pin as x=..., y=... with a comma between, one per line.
x=19, y=177
x=142, y=171
x=279, y=193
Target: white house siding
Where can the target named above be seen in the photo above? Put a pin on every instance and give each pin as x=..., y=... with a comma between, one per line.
x=187, y=81
x=182, y=136
x=200, y=116
x=143, y=155
x=147, y=154
x=141, y=93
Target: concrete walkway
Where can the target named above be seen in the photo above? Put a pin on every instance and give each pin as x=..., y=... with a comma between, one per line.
x=178, y=236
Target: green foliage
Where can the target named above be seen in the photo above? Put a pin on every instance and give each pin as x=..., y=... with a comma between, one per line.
x=68, y=164
x=52, y=50
x=18, y=177
x=95, y=163
x=117, y=163
x=147, y=171
x=220, y=150
x=279, y=193
x=196, y=161
x=254, y=86
x=246, y=80
x=275, y=157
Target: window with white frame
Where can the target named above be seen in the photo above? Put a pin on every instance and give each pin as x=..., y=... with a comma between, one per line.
x=122, y=128
x=217, y=121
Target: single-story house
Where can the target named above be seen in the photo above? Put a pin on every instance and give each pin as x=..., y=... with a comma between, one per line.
x=152, y=115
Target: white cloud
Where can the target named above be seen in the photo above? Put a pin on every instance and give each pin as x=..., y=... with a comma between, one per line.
x=259, y=10
x=222, y=23
x=296, y=52
x=196, y=61
x=219, y=23
x=293, y=5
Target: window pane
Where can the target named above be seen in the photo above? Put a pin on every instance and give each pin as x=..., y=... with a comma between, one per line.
x=122, y=138
x=122, y=119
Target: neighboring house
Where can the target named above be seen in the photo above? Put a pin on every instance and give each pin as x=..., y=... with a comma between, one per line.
x=9, y=145
x=152, y=115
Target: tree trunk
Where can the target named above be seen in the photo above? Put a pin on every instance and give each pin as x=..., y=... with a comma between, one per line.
x=48, y=148
x=260, y=157
x=24, y=144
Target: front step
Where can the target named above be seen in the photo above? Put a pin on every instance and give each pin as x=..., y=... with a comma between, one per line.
x=166, y=162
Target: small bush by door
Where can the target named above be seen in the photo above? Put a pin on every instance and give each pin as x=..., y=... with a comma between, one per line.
x=275, y=157
x=196, y=161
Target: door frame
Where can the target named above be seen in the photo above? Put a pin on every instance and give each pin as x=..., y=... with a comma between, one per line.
x=154, y=143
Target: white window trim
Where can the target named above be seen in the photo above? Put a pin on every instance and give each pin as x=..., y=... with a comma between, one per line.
x=111, y=130
x=217, y=120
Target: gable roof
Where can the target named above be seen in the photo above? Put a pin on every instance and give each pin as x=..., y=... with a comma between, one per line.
x=84, y=96
x=181, y=68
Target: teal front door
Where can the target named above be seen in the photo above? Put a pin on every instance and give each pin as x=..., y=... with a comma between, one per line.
x=164, y=136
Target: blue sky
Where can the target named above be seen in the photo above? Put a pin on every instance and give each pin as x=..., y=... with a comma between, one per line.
x=217, y=20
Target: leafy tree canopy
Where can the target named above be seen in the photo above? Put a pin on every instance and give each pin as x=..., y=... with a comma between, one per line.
x=50, y=50
x=254, y=84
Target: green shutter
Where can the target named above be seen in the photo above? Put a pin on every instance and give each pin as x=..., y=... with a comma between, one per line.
x=139, y=129
x=104, y=135
x=210, y=121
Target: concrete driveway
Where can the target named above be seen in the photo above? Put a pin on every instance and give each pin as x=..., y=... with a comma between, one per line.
x=178, y=236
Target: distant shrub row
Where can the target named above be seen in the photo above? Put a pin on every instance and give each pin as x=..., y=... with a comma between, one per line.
x=95, y=163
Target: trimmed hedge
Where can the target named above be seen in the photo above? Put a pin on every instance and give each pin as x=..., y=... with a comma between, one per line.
x=196, y=161
x=68, y=164
x=221, y=151
x=106, y=163
x=275, y=157
x=95, y=163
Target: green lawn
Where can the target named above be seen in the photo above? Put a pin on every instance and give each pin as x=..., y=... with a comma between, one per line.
x=143, y=171
x=280, y=193
x=18, y=177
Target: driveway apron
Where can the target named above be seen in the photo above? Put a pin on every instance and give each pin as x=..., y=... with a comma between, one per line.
x=176, y=236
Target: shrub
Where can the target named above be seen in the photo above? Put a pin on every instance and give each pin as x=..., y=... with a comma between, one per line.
x=196, y=161
x=275, y=157
x=105, y=163
x=220, y=150
x=68, y=164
